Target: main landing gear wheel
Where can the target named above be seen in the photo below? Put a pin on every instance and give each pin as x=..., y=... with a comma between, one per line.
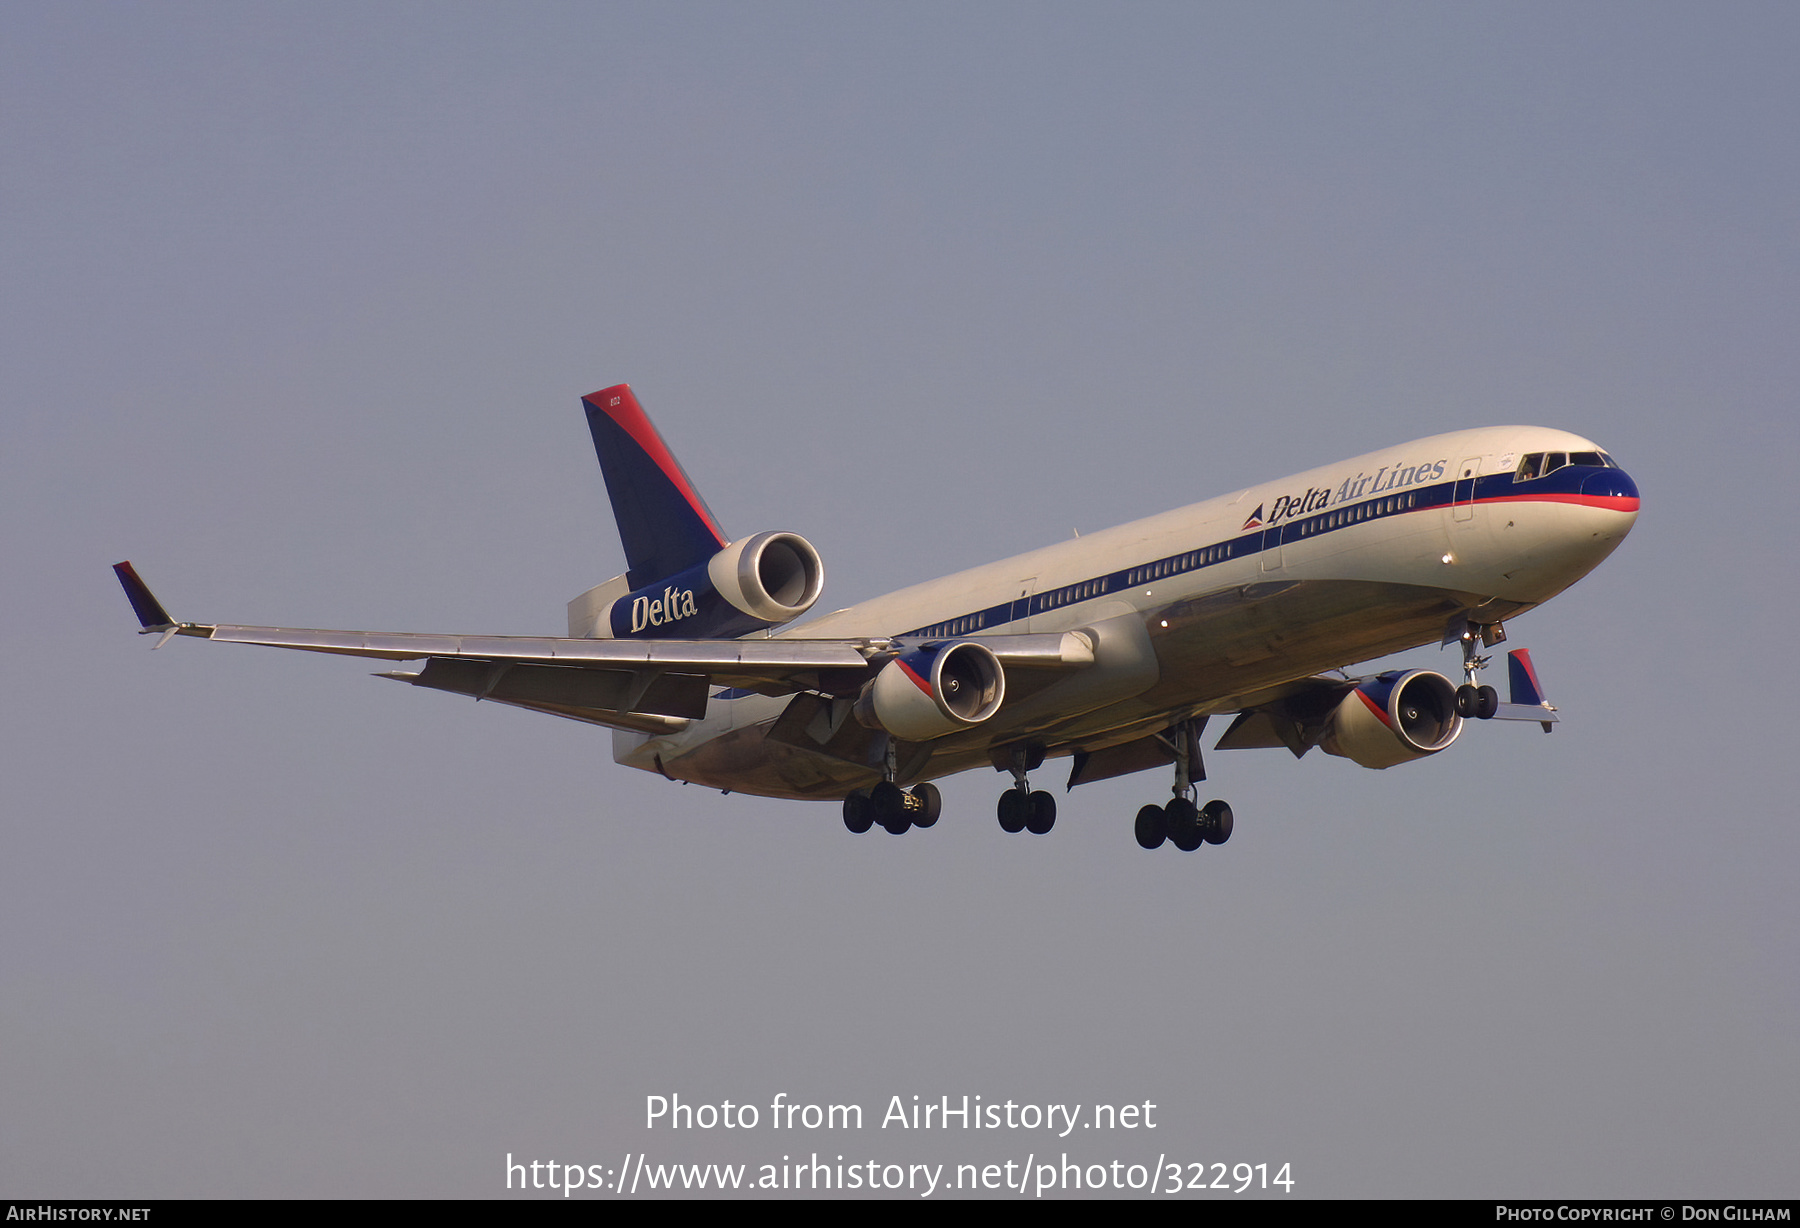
x=894, y=809
x=1014, y=808
x=1152, y=828
x=1184, y=824
x=859, y=816
x=1181, y=823
x=1021, y=811
x=925, y=804
x=888, y=804
x=1215, y=822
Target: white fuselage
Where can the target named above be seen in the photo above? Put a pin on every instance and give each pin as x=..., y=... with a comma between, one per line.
x=1196, y=610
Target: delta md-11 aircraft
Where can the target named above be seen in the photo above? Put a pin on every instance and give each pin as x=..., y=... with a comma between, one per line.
x=1111, y=650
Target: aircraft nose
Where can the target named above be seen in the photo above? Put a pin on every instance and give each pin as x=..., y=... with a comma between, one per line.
x=1612, y=488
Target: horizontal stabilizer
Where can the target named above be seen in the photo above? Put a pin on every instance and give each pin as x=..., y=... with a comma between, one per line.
x=1544, y=715
x=1527, y=693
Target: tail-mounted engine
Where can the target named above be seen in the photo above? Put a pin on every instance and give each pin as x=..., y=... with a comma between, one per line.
x=758, y=582
x=1393, y=718
x=774, y=577
x=933, y=691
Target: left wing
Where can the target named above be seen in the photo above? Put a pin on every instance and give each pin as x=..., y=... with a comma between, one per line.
x=652, y=686
x=1301, y=714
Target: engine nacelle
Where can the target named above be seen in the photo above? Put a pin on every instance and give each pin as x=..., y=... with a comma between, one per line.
x=1393, y=718
x=772, y=576
x=755, y=583
x=932, y=691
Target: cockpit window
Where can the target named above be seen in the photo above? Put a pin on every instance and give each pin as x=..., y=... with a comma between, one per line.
x=1543, y=464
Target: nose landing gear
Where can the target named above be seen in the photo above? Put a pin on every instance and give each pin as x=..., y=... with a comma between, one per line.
x=1475, y=702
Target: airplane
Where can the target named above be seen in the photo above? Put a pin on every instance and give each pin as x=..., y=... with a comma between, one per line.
x=1112, y=650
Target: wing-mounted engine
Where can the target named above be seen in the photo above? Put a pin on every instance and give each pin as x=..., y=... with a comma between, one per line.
x=752, y=584
x=1393, y=718
x=932, y=691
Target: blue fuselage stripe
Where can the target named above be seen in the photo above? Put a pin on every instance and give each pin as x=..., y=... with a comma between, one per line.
x=1565, y=481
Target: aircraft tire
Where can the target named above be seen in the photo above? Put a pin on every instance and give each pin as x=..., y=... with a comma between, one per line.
x=1184, y=824
x=1042, y=816
x=1468, y=701
x=1487, y=702
x=859, y=815
x=931, y=804
x=889, y=806
x=1151, y=827
x=1215, y=822
x=1012, y=809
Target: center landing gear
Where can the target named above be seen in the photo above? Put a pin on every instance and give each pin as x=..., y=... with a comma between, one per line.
x=1181, y=822
x=1477, y=702
x=1020, y=809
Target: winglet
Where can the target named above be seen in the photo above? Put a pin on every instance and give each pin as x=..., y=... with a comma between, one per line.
x=151, y=616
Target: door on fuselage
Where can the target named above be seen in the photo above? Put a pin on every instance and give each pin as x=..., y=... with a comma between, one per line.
x=1021, y=606
x=1271, y=549
x=1462, y=506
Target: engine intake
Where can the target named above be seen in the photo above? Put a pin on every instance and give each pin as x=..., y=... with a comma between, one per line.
x=1394, y=718
x=933, y=691
x=772, y=576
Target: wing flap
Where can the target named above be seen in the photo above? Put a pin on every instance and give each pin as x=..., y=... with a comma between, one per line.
x=621, y=698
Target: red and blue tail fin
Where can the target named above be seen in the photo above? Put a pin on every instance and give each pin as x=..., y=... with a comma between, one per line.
x=664, y=524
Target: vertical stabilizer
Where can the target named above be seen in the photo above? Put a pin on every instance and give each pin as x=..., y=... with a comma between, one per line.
x=664, y=524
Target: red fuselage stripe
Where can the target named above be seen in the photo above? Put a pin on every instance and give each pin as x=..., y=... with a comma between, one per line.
x=1614, y=503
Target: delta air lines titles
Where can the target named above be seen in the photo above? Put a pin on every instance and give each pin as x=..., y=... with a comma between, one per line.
x=1318, y=498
